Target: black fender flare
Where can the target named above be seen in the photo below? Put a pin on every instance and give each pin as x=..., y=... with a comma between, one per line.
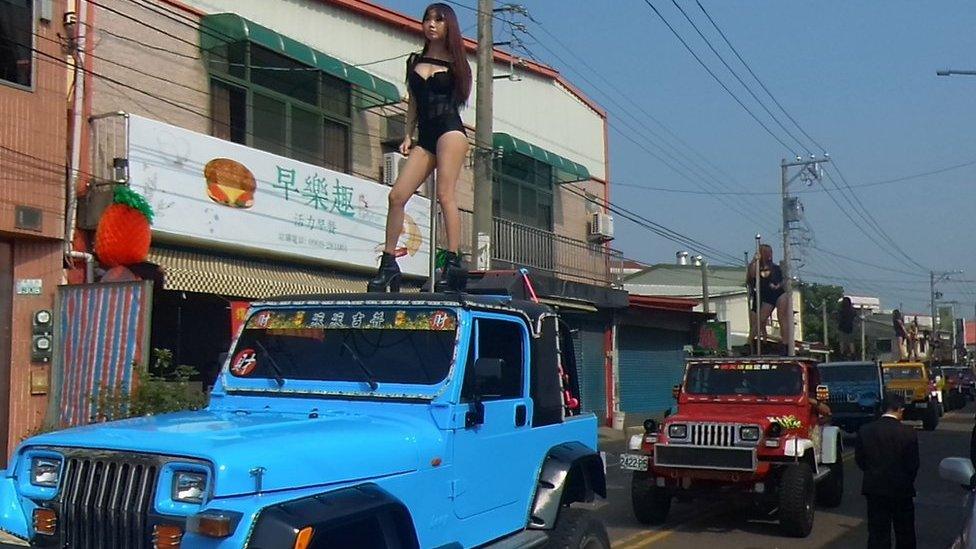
x=277, y=525
x=571, y=472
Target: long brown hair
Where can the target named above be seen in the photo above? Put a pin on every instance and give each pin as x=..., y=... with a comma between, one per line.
x=455, y=46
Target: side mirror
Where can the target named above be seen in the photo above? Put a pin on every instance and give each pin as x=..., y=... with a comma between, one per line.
x=958, y=470
x=676, y=391
x=823, y=393
x=475, y=416
x=486, y=378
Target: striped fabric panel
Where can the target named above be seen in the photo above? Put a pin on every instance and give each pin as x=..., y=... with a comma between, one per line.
x=102, y=328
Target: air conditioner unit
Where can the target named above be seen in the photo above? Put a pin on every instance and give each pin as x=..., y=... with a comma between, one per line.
x=392, y=164
x=601, y=227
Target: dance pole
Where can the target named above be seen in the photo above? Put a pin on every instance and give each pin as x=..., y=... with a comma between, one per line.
x=758, y=301
x=432, y=193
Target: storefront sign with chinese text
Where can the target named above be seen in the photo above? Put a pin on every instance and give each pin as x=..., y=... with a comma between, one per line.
x=204, y=189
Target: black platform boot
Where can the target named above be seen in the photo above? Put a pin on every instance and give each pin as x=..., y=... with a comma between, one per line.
x=453, y=277
x=387, y=277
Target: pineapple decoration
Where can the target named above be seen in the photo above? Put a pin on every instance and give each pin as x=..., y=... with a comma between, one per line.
x=123, y=235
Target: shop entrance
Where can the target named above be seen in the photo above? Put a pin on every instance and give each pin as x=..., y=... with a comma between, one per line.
x=195, y=327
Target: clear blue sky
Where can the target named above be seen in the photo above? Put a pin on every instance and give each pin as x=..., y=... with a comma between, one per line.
x=859, y=77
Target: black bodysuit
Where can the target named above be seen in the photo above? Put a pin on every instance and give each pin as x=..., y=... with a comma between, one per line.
x=437, y=108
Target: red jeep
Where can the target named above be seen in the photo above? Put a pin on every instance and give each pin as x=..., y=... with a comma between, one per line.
x=750, y=427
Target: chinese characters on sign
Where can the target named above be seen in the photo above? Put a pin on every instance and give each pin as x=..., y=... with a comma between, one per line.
x=364, y=318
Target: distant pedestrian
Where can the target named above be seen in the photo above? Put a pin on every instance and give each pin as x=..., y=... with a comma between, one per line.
x=887, y=451
x=845, y=327
x=901, y=335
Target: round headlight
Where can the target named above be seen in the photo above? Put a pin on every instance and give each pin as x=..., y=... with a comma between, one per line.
x=650, y=426
x=45, y=471
x=749, y=433
x=677, y=430
x=189, y=486
x=774, y=430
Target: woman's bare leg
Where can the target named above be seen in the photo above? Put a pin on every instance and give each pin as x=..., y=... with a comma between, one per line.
x=416, y=169
x=452, y=148
x=785, y=324
x=764, y=313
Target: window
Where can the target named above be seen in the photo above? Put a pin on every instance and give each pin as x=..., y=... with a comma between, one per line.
x=523, y=191
x=16, y=30
x=883, y=345
x=276, y=104
x=495, y=339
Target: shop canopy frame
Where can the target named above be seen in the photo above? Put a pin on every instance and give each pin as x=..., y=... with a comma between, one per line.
x=220, y=29
x=566, y=170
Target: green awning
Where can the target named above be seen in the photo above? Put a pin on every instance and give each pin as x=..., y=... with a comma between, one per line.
x=566, y=169
x=225, y=28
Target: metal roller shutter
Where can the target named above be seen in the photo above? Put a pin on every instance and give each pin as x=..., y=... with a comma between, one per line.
x=588, y=344
x=651, y=362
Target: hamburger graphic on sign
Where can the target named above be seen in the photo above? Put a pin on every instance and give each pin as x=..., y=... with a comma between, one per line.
x=230, y=183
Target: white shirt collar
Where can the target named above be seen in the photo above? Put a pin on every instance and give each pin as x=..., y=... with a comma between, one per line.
x=892, y=416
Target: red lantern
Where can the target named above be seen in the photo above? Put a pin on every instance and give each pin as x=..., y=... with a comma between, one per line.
x=123, y=234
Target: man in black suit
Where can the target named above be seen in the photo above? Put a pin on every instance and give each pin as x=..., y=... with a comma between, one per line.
x=887, y=452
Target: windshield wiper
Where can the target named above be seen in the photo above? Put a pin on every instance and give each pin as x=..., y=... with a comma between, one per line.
x=278, y=376
x=369, y=375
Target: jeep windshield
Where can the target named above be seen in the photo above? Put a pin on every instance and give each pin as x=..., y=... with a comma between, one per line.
x=344, y=349
x=764, y=380
x=852, y=374
x=902, y=372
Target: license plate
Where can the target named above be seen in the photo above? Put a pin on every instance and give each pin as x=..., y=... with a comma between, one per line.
x=633, y=462
x=921, y=404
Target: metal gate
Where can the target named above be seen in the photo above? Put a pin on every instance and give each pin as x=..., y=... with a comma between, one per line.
x=588, y=344
x=101, y=330
x=651, y=362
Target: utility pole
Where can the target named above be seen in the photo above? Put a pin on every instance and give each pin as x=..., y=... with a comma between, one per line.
x=934, y=278
x=863, y=342
x=483, y=218
x=809, y=170
x=704, y=275
x=823, y=309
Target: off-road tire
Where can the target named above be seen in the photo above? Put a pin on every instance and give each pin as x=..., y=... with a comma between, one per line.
x=651, y=504
x=830, y=491
x=796, y=500
x=931, y=418
x=578, y=529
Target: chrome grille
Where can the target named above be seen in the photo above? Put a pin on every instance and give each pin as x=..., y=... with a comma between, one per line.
x=908, y=394
x=712, y=434
x=837, y=398
x=106, y=501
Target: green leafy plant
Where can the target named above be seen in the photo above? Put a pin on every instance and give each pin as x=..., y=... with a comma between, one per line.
x=160, y=388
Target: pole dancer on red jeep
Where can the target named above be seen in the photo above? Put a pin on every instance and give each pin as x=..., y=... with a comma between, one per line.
x=771, y=290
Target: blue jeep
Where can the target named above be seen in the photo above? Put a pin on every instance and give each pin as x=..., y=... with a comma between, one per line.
x=366, y=420
x=856, y=392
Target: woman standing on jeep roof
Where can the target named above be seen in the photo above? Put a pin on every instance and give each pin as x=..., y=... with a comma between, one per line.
x=771, y=291
x=438, y=83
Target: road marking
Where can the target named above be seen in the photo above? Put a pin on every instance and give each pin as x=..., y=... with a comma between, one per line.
x=643, y=539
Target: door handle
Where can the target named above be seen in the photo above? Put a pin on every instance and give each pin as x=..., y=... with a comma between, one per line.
x=520, y=415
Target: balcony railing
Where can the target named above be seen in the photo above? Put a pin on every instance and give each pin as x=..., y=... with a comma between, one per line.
x=516, y=245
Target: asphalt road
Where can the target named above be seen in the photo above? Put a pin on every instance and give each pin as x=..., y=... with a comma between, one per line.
x=711, y=525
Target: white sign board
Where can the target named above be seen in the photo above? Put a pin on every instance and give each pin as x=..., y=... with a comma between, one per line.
x=207, y=190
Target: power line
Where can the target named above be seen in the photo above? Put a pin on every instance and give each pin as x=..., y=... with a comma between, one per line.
x=738, y=78
x=756, y=77
x=716, y=78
